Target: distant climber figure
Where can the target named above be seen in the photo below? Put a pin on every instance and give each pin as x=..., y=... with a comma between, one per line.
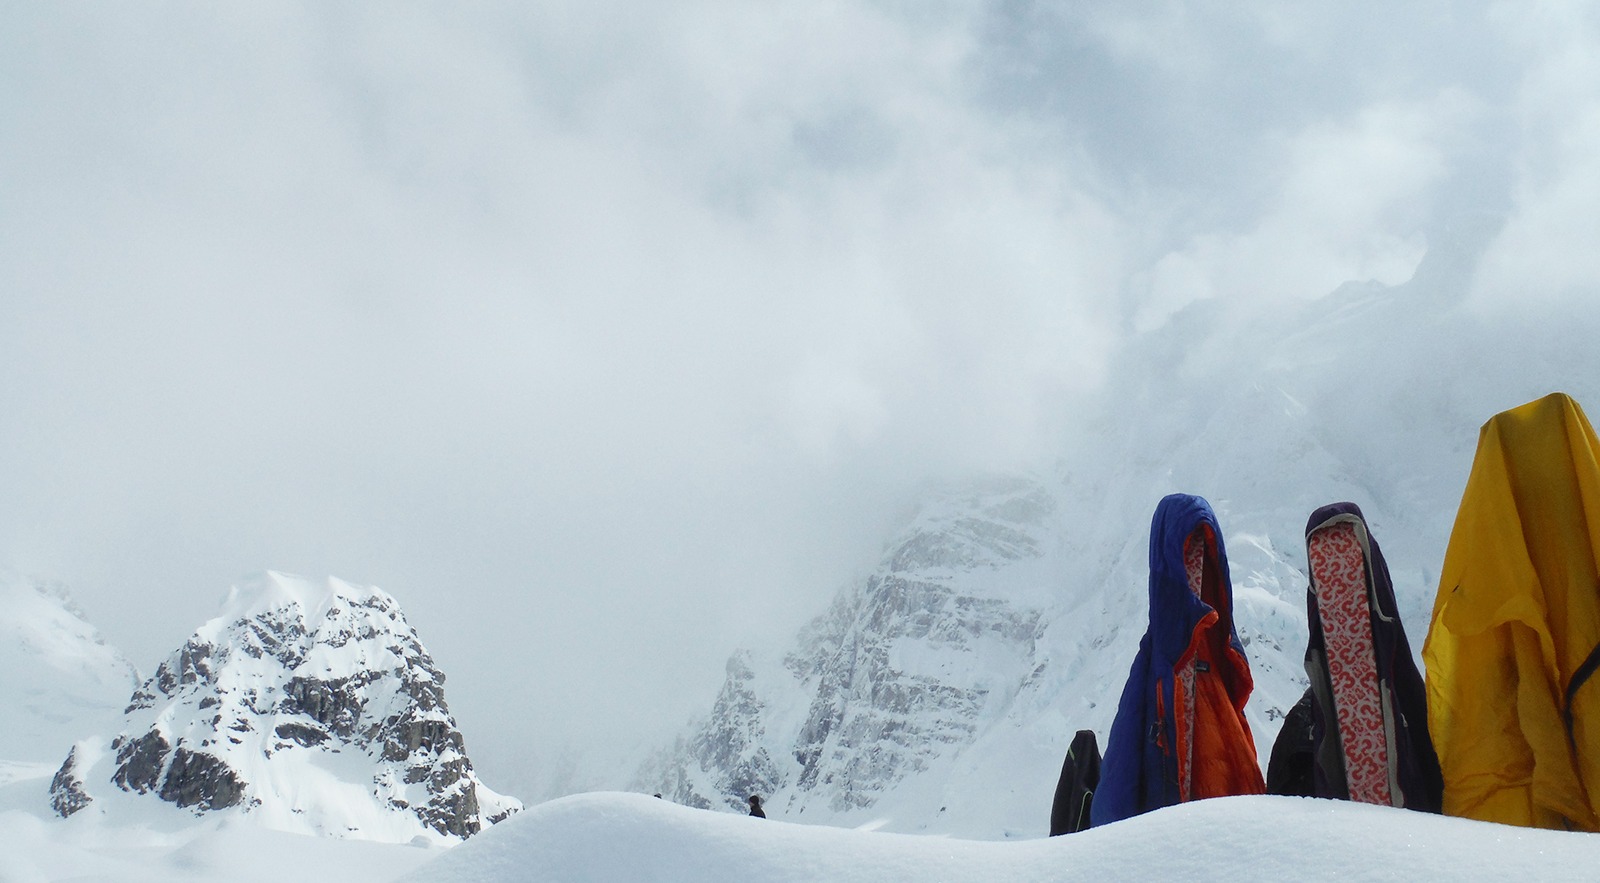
x=1080, y=775
x=755, y=807
x=1180, y=732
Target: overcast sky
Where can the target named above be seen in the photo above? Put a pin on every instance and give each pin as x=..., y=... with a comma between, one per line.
x=608, y=336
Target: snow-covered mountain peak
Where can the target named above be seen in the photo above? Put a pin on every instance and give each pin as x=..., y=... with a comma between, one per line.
x=311, y=599
x=311, y=706
x=989, y=525
x=894, y=680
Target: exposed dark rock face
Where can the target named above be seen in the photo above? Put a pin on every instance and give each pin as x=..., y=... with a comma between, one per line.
x=291, y=670
x=201, y=781
x=301, y=734
x=140, y=761
x=67, y=795
x=336, y=703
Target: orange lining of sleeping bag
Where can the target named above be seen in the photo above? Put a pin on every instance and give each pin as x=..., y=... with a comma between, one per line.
x=1216, y=754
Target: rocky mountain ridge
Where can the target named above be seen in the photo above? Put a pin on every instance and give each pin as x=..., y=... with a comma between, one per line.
x=901, y=672
x=314, y=706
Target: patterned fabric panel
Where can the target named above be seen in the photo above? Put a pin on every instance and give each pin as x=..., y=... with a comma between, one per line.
x=1338, y=576
x=1194, y=560
x=1194, y=563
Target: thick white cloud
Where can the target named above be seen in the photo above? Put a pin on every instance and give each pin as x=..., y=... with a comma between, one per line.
x=1545, y=252
x=609, y=335
x=1349, y=202
x=597, y=336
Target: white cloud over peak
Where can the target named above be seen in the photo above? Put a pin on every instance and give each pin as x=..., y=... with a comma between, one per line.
x=635, y=323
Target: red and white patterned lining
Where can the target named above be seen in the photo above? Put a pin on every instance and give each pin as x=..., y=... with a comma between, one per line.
x=1194, y=564
x=1338, y=579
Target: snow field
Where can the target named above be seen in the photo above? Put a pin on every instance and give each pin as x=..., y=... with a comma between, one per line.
x=607, y=837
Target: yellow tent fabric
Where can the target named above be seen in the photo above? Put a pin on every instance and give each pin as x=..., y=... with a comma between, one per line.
x=1517, y=616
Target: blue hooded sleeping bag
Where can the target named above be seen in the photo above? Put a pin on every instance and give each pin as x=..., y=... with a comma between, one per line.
x=1180, y=732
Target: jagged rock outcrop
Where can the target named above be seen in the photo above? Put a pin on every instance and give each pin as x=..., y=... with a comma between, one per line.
x=894, y=676
x=731, y=742
x=67, y=794
x=243, y=714
x=878, y=715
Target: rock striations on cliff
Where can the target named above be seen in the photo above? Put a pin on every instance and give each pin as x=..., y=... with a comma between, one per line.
x=896, y=678
x=311, y=706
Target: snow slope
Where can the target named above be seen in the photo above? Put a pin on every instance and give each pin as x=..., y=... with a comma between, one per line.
x=59, y=680
x=160, y=847
x=608, y=837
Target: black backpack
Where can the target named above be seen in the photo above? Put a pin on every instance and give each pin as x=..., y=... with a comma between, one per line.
x=1291, y=769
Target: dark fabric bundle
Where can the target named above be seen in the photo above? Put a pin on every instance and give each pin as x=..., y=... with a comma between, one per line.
x=1080, y=775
